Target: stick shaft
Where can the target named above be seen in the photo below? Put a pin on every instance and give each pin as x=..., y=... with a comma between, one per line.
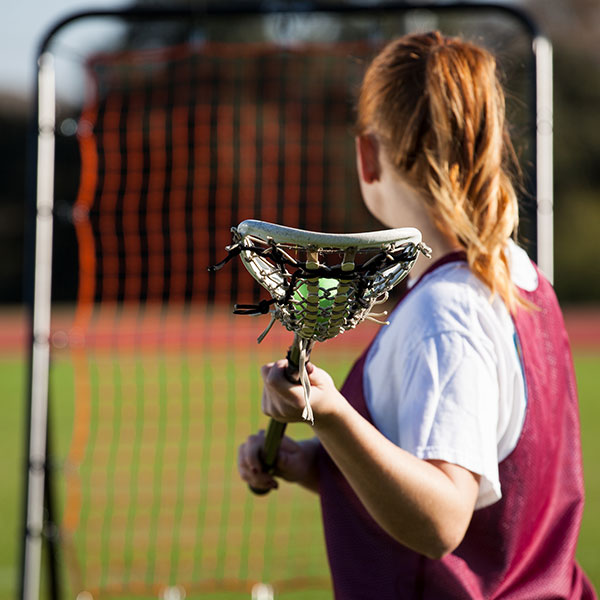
x=276, y=429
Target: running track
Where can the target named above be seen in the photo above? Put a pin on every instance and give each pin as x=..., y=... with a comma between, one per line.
x=583, y=326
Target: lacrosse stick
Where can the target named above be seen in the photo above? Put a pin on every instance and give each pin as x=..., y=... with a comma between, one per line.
x=321, y=284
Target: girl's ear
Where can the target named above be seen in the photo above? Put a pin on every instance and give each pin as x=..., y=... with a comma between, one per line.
x=367, y=153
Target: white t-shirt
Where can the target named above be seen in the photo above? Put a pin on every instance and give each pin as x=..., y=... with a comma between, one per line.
x=444, y=379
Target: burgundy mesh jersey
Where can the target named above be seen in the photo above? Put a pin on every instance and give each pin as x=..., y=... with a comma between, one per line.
x=521, y=547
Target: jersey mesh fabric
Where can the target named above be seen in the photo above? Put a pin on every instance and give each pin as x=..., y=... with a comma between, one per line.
x=521, y=547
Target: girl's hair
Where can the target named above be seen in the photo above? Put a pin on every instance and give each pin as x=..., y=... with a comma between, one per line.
x=437, y=107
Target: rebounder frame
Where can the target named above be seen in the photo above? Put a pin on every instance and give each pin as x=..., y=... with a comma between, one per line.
x=36, y=501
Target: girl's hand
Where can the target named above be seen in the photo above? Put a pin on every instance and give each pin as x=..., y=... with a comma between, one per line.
x=284, y=401
x=296, y=462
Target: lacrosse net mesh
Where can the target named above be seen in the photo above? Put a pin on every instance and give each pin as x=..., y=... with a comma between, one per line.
x=319, y=293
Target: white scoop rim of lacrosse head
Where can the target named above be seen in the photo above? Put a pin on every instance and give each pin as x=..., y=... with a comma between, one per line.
x=301, y=237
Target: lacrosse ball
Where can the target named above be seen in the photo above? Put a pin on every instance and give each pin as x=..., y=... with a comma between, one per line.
x=327, y=291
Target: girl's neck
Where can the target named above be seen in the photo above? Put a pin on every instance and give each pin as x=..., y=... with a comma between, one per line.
x=397, y=202
x=409, y=208
x=439, y=244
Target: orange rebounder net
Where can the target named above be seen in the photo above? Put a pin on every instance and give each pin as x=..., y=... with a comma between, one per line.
x=154, y=383
x=177, y=146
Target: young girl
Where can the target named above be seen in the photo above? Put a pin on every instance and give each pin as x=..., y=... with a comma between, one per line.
x=449, y=464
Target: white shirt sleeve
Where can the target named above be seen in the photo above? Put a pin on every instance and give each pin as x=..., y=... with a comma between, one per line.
x=448, y=408
x=443, y=380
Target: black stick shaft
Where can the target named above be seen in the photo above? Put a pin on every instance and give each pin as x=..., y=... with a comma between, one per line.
x=276, y=429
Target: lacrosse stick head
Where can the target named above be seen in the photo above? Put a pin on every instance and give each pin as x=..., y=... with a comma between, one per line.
x=323, y=284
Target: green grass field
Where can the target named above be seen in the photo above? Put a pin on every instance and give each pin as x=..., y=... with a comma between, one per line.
x=587, y=367
x=12, y=385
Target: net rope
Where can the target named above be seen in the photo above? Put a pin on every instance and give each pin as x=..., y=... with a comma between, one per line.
x=317, y=300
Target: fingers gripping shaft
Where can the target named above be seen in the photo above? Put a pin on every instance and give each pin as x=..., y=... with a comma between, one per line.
x=295, y=372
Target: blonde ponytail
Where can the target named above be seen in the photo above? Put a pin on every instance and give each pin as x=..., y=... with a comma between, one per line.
x=452, y=143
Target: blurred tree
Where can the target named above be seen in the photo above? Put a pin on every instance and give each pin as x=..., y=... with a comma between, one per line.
x=13, y=142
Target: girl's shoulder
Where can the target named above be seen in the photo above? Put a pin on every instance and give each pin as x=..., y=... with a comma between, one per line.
x=449, y=297
x=452, y=295
x=448, y=301
x=522, y=271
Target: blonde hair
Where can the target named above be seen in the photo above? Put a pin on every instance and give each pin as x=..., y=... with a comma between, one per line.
x=437, y=106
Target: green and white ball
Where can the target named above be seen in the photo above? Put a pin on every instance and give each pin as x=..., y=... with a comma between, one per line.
x=326, y=296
